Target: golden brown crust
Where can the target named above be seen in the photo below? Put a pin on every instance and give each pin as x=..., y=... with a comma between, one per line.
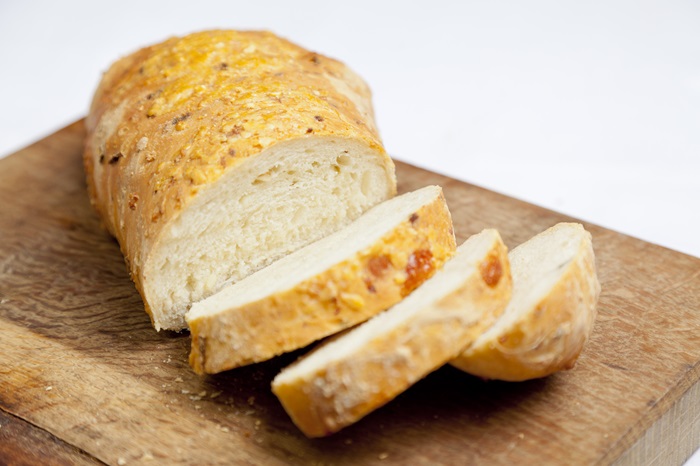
x=549, y=337
x=348, y=293
x=172, y=118
x=347, y=388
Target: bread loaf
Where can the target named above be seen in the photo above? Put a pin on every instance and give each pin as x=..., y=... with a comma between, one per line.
x=551, y=314
x=325, y=287
x=212, y=155
x=361, y=370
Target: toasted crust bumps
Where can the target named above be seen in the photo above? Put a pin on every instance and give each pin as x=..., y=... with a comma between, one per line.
x=348, y=292
x=542, y=330
x=355, y=373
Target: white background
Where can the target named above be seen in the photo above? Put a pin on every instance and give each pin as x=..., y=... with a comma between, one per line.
x=588, y=108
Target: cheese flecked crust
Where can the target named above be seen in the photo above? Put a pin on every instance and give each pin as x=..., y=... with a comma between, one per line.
x=248, y=128
x=363, y=283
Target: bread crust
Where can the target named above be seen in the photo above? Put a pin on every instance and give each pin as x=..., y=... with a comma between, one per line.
x=347, y=388
x=550, y=336
x=169, y=120
x=346, y=294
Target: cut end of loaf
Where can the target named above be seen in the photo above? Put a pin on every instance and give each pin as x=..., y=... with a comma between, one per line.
x=292, y=194
x=551, y=314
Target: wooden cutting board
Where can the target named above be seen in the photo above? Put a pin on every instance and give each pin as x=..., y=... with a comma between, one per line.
x=84, y=379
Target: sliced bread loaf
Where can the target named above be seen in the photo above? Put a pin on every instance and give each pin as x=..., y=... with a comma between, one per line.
x=361, y=370
x=212, y=155
x=551, y=314
x=334, y=283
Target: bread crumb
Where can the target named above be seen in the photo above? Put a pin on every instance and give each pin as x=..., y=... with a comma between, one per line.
x=143, y=142
x=197, y=407
x=203, y=393
x=121, y=461
x=223, y=429
x=147, y=456
x=49, y=388
x=195, y=398
x=383, y=456
x=185, y=392
x=521, y=435
x=178, y=379
x=215, y=394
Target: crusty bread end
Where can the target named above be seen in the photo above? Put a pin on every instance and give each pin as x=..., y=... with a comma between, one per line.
x=551, y=314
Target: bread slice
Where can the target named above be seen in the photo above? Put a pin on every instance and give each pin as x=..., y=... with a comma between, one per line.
x=212, y=155
x=355, y=373
x=325, y=287
x=551, y=314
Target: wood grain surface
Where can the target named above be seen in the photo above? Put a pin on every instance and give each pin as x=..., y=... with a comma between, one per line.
x=84, y=378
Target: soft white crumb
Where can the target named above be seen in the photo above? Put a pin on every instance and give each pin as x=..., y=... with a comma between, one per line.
x=121, y=461
x=383, y=456
x=49, y=388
